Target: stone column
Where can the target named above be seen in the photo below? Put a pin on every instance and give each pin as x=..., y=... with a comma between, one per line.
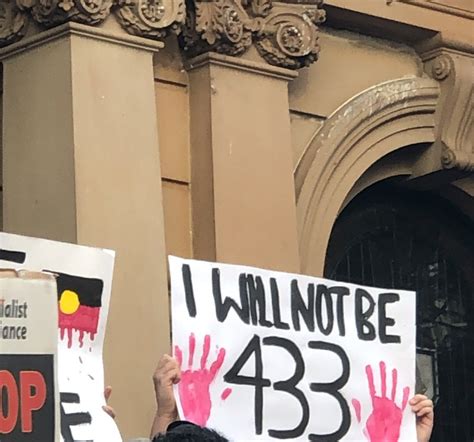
x=242, y=171
x=243, y=196
x=82, y=164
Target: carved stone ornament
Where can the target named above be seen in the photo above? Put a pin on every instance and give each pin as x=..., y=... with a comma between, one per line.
x=441, y=67
x=220, y=26
x=456, y=159
x=284, y=33
x=455, y=128
x=145, y=18
x=290, y=40
x=53, y=12
x=285, y=36
x=13, y=22
x=151, y=18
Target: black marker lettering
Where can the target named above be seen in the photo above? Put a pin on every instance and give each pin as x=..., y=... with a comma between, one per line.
x=233, y=377
x=276, y=306
x=365, y=329
x=188, y=290
x=298, y=307
x=340, y=292
x=12, y=256
x=72, y=419
x=222, y=308
x=289, y=386
x=384, y=322
x=332, y=388
x=322, y=292
x=256, y=296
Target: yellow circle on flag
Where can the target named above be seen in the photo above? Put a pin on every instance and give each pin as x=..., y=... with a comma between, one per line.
x=69, y=302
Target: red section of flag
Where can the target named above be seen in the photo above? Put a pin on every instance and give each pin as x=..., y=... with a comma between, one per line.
x=85, y=320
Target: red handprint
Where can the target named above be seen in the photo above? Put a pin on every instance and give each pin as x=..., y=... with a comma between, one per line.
x=383, y=424
x=194, y=387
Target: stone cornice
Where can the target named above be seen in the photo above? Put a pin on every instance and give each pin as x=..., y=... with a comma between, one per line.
x=80, y=30
x=433, y=46
x=213, y=58
x=284, y=33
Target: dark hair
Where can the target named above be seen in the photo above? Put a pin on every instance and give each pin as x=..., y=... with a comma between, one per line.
x=183, y=431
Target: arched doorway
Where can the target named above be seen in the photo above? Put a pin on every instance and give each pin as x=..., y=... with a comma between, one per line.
x=391, y=238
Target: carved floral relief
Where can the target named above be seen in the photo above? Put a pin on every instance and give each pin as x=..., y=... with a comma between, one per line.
x=284, y=33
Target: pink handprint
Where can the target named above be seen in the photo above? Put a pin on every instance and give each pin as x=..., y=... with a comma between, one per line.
x=383, y=424
x=194, y=387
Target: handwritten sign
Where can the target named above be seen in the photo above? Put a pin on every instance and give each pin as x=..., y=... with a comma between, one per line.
x=29, y=402
x=268, y=355
x=84, y=279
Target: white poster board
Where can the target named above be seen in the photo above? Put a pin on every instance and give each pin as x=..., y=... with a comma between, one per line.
x=29, y=399
x=84, y=279
x=268, y=355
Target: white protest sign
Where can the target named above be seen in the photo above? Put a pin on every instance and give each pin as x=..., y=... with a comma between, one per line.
x=84, y=279
x=29, y=400
x=268, y=355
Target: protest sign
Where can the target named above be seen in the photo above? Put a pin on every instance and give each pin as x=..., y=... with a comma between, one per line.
x=268, y=355
x=84, y=279
x=29, y=401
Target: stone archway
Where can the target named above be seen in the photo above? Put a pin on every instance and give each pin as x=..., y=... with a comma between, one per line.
x=378, y=122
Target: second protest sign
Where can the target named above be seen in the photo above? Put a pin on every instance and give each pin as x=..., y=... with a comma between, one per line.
x=270, y=355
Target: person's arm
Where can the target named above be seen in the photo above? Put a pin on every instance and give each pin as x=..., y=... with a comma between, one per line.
x=423, y=408
x=167, y=374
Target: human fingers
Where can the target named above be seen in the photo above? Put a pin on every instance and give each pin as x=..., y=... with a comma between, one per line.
x=165, y=364
x=426, y=411
x=109, y=410
x=417, y=398
x=422, y=404
x=170, y=376
x=107, y=392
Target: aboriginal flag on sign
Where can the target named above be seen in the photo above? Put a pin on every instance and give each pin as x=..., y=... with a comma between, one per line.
x=79, y=302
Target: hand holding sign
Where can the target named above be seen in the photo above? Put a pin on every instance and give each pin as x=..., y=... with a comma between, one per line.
x=423, y=408
x=107, y=408
x=194, y=388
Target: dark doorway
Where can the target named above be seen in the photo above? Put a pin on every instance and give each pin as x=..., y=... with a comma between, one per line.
x=416, y=241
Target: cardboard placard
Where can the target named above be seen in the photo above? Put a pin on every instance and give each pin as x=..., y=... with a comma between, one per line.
x=29, y=400
x=268, y=355
x=84, y=280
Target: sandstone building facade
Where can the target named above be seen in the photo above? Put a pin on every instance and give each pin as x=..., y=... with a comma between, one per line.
x=330, y=139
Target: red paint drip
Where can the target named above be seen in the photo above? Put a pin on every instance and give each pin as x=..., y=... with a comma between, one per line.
x=81, y=338
x=226, y=393
x=192, y=347
x=357, y=409
x=84, y=320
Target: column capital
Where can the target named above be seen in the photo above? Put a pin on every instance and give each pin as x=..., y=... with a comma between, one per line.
x=144, y=18
x=285, y=34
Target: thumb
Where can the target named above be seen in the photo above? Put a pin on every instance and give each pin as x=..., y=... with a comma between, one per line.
x=107, y=393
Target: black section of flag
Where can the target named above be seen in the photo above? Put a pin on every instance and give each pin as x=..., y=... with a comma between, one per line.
x=89, y=290
x=12, y=256
x=43, y=419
